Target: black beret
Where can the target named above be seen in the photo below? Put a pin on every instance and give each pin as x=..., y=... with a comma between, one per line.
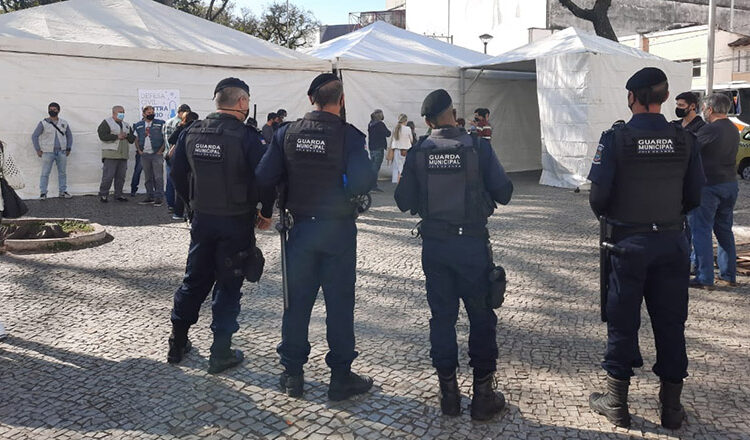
x=435, y=103
x=646, y=77
x=231, y=82
x=320, y=81
x=184, y=108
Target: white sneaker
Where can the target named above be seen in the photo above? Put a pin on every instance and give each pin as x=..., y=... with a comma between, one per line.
x=3, y=334
x=65, y=195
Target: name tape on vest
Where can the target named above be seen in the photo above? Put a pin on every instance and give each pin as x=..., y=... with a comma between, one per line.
x=208, y=152
x=311, y=145
x=444, y=161
x=655, y=146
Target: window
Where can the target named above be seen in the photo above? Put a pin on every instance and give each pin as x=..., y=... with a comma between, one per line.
x=697, y=68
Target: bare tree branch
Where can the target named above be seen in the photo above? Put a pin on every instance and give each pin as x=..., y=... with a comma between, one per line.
x=221, y=9
x=598, y=16
x=586, y=14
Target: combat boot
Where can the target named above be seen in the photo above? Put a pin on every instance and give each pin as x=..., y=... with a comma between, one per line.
x=292, y=385
x=672, y=412
x=179, y=344
x=222, y=356
x=486, y=401
x=347, y=384
x=450, y=397
x=614, y=403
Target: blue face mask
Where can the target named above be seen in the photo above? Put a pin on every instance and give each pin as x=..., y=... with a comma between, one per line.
x=120, y=116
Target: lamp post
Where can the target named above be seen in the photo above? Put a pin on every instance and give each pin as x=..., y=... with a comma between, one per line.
x=485, y=38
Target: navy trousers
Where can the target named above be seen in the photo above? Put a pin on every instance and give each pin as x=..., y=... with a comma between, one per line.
x=136, y=174
x=456, y=268
x=320, y=253
x=215, y=242
x=656, y=267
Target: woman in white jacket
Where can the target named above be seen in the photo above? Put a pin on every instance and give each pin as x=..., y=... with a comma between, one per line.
x=400, y=143
x=11, y=174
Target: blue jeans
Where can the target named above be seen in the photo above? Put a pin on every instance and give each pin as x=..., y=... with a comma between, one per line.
x=61, y=160
x=376, y=157
x=716, y=213
x=169, y=193
x=136, y=174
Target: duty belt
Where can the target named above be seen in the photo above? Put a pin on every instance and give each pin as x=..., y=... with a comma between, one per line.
x=620, y=231
x=441, y=230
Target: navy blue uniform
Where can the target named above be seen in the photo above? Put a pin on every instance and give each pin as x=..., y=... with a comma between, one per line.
x=321, y=252
x=655, y=267
x=456, y=266
x=213, y=240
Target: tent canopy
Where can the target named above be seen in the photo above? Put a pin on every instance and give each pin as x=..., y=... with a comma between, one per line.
x=381, y=41
x=568, y=41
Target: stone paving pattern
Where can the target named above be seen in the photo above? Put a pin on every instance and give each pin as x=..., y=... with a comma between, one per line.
x=88, y=338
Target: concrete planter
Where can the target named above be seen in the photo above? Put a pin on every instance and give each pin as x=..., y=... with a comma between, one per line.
x=54, y=244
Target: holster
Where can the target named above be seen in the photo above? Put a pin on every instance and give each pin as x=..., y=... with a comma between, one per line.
x=498, y=283
x=254, y=262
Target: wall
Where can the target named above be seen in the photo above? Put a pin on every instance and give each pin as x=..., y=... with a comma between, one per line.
x=508, y=21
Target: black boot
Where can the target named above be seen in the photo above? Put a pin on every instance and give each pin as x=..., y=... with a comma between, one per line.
x=672, y=412
x=486, y=402
x=450, y=397
x=222, y=356
x=179, y=344
x=347, y=384
x=292, y=385
x=614, y=403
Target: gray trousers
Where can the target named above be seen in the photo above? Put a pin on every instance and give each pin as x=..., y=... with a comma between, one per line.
x=113, y=170
x=153, y=168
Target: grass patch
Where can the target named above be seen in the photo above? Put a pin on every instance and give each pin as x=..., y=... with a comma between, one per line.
x=70, y=227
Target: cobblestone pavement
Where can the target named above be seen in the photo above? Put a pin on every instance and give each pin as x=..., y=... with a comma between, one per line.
x=88, y=332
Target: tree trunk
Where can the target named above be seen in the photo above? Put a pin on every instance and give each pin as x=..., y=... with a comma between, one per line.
x=598, y=16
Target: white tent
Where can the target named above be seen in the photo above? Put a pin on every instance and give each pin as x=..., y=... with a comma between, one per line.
x=386, y=67
x=89, y=55
x=580, y=82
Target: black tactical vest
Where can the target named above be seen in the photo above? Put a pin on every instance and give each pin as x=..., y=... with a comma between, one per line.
x=221, y=179
x=316, y=164
x=651, y=167
x=450, y=180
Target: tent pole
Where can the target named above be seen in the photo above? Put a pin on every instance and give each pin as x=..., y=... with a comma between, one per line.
x=711, y=47
x=461, y=84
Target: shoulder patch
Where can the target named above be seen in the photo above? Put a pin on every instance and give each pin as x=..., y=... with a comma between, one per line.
x=598, y=156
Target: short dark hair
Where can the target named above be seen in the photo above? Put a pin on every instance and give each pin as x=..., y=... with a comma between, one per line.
x=271, y=116
x=483, y=112
x=329, y=93
x=54, y=104
x=655, y=94
x=281, y=112
x=183, y=108
x=688, y=97
x=461, y=122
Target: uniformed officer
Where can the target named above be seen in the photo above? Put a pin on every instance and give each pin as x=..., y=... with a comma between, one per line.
x=322, y=162
x=646, y=175
x=213, y=167
x=453, y=181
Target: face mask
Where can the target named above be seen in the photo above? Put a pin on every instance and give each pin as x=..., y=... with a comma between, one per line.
x=54, y=113
x=120, y=116
x=150, y=117
x=681, y=112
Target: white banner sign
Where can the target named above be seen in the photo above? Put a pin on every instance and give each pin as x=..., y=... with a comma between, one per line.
x=165, y=102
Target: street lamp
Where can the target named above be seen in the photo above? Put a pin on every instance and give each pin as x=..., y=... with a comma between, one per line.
x=485, y=38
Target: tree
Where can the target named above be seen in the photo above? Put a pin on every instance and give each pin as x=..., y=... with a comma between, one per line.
x=597, y=15
x=292, y=27
x=15, y=5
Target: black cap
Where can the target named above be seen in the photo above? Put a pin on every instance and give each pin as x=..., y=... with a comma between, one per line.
x=320, y=81
x=646, y=77
x=54, y=104
x=184, y=108
x=435, y=103
x=231, y=82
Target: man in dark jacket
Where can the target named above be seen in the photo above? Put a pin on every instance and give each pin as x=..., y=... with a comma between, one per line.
x=718, y=142
x=377, y=134
x=687, y=111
